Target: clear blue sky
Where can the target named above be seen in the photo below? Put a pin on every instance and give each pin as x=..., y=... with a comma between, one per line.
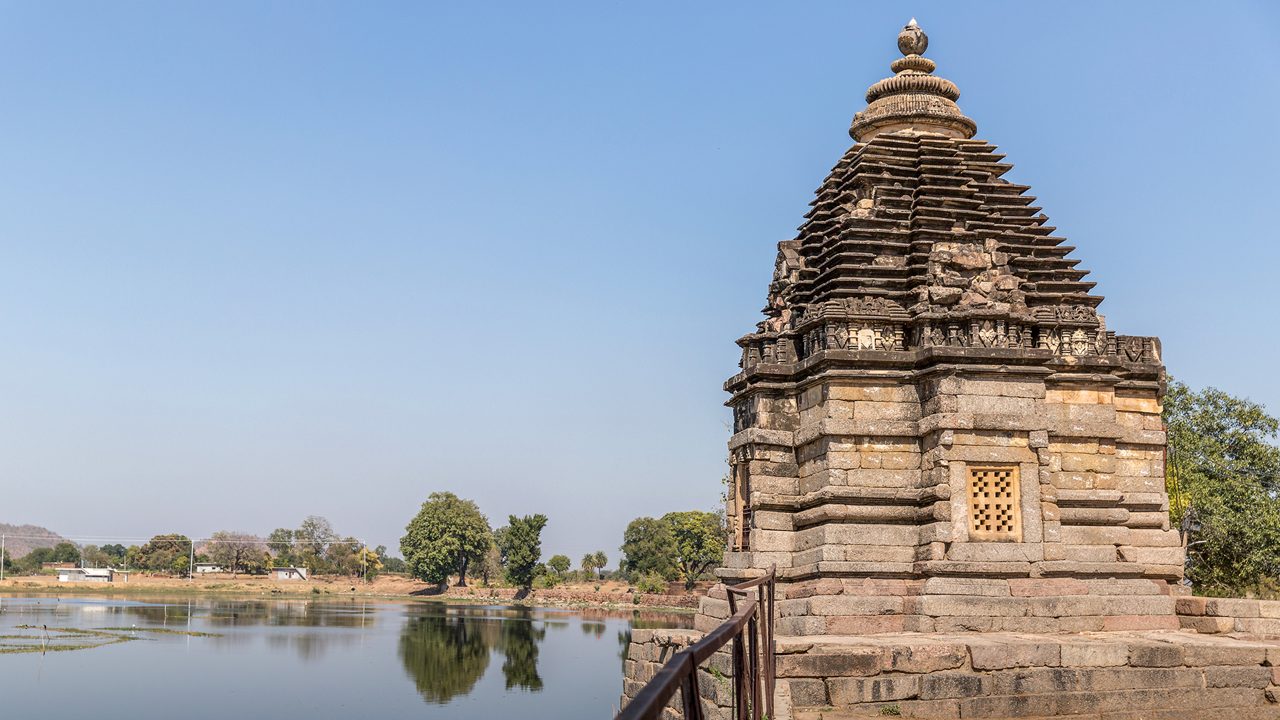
x=262, y=260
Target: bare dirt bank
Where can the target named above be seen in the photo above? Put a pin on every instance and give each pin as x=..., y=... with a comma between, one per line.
x=605, y=594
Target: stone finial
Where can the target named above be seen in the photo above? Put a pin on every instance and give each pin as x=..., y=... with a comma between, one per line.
x=912, y=40
x=913, y=99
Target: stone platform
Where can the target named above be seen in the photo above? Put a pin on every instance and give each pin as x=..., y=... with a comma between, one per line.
x=1151, y=674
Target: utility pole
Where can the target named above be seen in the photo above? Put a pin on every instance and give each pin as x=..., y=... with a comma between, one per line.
x=191, y=564
x=2, y=558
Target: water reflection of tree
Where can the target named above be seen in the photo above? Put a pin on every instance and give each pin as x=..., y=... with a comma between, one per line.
x=446, y=655
x=447, y=650
x=519, y=645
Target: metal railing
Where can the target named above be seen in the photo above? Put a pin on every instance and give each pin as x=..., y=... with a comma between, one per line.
x=750, y=631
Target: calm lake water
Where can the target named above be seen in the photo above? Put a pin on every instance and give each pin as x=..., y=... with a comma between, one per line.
x=290, y=659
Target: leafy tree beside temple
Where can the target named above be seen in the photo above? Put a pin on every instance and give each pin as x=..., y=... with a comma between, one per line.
x=1223, y=475
x=678, y=546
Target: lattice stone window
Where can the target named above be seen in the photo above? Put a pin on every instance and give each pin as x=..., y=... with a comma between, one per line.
x=994, y=504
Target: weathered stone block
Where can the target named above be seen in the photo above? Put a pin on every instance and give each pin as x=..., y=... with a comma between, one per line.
x=1156, y=655
x=855, y=605
x=807, y=692
x=1155, y=538
x=1041, y=587
x=967, y=586
x=1207, y=625
x=1094, y=654
x=1050, y=680
x=966, y=605
x=951, y=685
x=847, y=662
x=1085, y=535
x=1000, y=656
x=1140, y=622
x=926, y=658
x=862, y=624
x=1205, y=654
x=1125, y=586
x=1090, y=553
x=995, y=552
x=1237, y=677
x=1231, y=607
x=847, y=691
x=878, y=393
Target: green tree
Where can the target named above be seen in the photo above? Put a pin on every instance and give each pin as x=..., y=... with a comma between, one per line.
x=165, y=553
x=698, y=542
x=65, y=552
x=280, y=543
x=601, y=561
x=370, y=563
x=588, y=566
x=559, y=563
x=389, y=563
x=647, y=549
x=345, y=557
x=1224, y=480
x=235, y=551
x=444, y=538
x=522, y=549
x=311, y=543
x=93, y=556
x=491, y=565
x=115, y=552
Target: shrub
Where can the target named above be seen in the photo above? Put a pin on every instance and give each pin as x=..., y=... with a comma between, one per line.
x=651, y=583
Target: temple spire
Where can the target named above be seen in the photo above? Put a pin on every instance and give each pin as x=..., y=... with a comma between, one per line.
x=913, y=100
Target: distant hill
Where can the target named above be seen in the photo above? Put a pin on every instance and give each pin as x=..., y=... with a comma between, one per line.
x=22, y=539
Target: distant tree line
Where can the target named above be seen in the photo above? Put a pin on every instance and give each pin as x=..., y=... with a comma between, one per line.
x=314, y=544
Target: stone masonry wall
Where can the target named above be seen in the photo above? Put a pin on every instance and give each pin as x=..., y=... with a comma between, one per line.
x=649, y=650
x=865, y=486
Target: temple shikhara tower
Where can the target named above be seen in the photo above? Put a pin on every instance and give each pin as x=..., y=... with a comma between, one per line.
x=933, y=406
x=954, y=465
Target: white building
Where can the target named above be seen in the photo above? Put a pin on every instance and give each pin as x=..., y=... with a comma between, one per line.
x=289, y=573
x=86, y=575
x=203, y=568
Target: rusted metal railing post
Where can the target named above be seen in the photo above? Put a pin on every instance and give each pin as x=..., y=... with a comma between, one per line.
x=750, y=629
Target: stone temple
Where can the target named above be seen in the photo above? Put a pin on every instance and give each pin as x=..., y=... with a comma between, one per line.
x=955, y=467
x=933, y=406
